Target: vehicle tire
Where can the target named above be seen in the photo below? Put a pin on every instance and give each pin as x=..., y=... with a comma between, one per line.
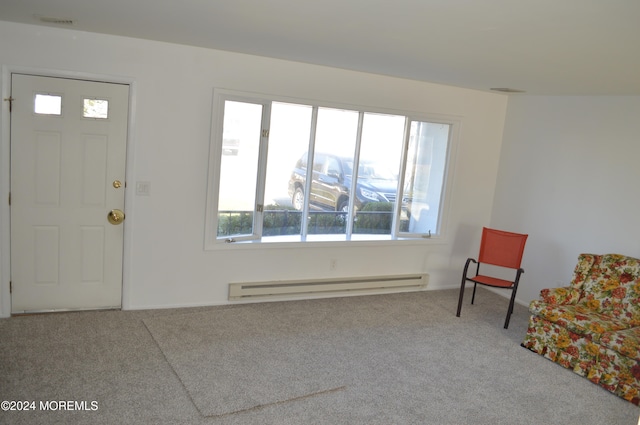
x=343, y=205
x=298, y=199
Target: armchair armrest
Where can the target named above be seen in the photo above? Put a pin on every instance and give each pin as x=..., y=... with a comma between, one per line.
x=560, y=296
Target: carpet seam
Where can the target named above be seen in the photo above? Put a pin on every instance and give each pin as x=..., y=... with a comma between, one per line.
x=257, y=407
x=275, y=403
x=184, y=387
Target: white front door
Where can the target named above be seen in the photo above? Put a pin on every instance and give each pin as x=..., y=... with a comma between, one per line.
x=68, y=153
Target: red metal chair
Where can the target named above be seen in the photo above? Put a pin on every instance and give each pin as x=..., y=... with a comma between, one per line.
x=497, y=248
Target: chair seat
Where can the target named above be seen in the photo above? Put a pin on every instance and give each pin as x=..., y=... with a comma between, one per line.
x=491, y=281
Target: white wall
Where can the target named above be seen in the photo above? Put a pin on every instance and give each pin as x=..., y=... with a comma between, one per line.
x=570, y=178
x=166, y=263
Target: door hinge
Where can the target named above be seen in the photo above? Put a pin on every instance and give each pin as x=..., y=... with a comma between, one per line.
x=10, y=287
x=259, y=208
x=265, y=133
x=10, y=100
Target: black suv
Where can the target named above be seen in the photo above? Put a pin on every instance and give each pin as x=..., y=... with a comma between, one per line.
x=332, y=182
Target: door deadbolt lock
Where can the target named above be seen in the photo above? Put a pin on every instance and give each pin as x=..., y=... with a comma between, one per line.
x=115, y=217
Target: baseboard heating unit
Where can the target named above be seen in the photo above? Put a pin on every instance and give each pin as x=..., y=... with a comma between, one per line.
x=333, y=286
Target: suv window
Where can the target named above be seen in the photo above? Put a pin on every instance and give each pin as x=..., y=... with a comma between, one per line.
x=333, y=168
x=318, y=163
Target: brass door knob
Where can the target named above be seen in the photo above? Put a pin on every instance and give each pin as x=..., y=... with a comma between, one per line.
x=115, y=217
x=117, y=184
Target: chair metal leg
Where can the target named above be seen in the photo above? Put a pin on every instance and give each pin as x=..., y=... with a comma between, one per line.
x=461, y=296
x=510, y=310
x=473, y=297
x=462, y=283
x=513, y=297
x=506, y=322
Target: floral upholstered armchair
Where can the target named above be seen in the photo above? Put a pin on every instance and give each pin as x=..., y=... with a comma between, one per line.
x=593, y=326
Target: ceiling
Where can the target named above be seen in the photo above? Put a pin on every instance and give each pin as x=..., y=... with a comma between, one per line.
x=543, y=47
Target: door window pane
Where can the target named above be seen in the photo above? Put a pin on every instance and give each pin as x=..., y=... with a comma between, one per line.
x=48, y=104
x=239, y=169
x=95, y=108
x=424, y=176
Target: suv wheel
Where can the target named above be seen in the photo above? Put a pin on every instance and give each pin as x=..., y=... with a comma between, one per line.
x=298, y=199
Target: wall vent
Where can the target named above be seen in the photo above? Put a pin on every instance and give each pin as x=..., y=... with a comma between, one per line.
x=323, y=287
x=57, y=21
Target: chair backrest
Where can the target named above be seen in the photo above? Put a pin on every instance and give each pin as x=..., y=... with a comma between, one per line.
x=501, y=248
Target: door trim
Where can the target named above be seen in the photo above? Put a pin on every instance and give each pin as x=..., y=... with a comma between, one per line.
x=5, y=176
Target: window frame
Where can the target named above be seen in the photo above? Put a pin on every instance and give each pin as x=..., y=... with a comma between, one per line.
x=212, y=241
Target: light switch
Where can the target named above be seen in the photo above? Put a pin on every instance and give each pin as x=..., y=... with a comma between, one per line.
x=143, y=188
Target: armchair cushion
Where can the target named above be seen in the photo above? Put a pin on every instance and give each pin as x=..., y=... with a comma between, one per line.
x=560, y=296
x=578, y=319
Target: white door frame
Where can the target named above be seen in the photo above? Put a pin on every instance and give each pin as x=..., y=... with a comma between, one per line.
x=5, y=176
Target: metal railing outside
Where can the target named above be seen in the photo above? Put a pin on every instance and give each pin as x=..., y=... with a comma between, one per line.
x=288, y=222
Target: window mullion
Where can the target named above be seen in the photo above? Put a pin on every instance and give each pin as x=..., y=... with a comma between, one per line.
x=354, y=178
x=397, y=209
x=309, y=177
x=262, y=169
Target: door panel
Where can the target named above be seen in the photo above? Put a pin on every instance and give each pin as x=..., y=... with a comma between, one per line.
x=94, y=170
x=64, y=253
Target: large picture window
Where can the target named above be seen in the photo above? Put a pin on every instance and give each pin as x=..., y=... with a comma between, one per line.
x=284, y=171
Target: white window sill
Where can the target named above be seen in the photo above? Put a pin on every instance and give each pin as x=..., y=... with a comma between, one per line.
x=322, y=241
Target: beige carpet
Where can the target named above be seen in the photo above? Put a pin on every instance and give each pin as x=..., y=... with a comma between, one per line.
x=242, y=358
x=371, y=360
x=236, y=359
